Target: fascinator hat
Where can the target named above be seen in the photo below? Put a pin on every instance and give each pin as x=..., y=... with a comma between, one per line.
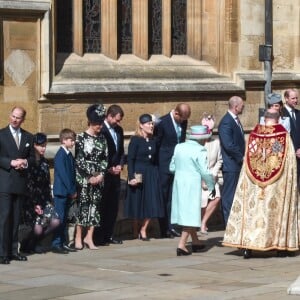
x=39, y=138
x=145, y=118
x=208, y=120
x=274, y=98
x=96, y=113
x=199, y=132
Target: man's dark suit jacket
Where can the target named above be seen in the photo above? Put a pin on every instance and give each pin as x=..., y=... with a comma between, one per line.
x=64, y=184
x=232, y=144
x=167, y=140
x=295, y=127
x=14, y=181
x=115, y=155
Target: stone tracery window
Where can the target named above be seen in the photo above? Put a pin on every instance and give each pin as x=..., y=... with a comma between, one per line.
x=64, y=20
x=125, y=26
x=155, y=27
x=115, y=27
x=92, y=26
x=179, y=26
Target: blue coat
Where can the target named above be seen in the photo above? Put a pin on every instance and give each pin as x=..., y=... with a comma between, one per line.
x=189, y=163
x=166, y=138
x=64, y=174
x=232, y=144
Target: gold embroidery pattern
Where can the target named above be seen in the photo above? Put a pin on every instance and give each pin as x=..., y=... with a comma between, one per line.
x=266, y=151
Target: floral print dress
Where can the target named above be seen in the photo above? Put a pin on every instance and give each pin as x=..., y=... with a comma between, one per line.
x=91, y=159
x=39, y=191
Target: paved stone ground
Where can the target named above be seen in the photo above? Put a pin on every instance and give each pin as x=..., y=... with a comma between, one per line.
x=151, y=270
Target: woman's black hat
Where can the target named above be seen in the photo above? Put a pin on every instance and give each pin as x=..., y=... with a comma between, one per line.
x=145, y=118
x=96, y=113
x=39, y=138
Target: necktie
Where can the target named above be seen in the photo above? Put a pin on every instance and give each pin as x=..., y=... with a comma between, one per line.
x=114, y=136
x=293, y=115
x=178, y=132
x=16, y=137
x=239, y=123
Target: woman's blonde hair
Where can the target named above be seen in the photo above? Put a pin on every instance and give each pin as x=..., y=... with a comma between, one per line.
x=138, y=129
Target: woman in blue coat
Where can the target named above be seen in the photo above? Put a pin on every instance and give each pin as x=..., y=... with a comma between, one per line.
x=189, y=163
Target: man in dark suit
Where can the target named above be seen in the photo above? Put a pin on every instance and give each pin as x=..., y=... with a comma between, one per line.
x=290, y=111
x=114, y=135
x=232, y=141
x=170, y=130
x=16, y=154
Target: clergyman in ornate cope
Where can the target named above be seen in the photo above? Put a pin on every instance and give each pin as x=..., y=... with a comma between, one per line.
x=264, y=214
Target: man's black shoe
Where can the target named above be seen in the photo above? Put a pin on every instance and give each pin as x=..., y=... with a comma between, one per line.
x=169, y=235
x=282, y=253
x=59, y=250
x=4, y=260
x=103, y=243
x=69, y=248
x=114, y=241
x=18, y=257
x=173, y=233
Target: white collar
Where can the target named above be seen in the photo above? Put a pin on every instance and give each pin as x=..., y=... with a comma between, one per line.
x=14, y=131
x=67, y=151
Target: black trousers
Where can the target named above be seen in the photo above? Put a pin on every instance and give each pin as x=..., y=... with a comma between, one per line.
x=10, y=208
x=109, y=207
x=166, y=180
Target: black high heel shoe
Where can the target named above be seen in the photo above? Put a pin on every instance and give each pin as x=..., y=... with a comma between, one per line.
x=144, y=239
x=181, y=252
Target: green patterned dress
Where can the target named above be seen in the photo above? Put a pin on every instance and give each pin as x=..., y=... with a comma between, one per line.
x=91, y=159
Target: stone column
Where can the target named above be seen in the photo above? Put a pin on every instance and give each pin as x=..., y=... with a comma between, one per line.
x=166, y=28
x=140, y=28
x=194, y=28
x=109, y=28
x=78, y=26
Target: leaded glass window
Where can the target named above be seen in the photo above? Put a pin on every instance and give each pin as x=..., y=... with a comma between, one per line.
x=64, y=23
x=179, y=41
x=125, y=26
x=155, y=27
x=92, y=26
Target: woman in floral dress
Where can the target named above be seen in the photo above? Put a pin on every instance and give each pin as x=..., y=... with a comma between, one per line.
x=38, y=209
x=91, y=163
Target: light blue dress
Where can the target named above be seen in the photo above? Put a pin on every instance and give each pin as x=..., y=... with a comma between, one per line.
x=189, y=163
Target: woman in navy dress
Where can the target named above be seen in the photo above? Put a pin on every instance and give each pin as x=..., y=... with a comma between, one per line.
x=144, y=198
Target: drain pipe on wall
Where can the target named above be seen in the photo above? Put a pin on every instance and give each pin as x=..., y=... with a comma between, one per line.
x=266, y=50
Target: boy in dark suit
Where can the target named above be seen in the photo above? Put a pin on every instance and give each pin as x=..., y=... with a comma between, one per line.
x=64, y=187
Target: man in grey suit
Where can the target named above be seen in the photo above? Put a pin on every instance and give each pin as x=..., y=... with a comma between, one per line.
x=232, y=141
x=16, y=154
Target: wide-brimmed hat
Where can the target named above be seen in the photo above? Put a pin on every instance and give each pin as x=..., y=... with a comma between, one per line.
x=96, y=113
x=274, y=98
x=199, y=132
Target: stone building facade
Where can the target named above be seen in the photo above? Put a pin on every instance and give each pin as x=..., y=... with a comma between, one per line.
x=57, y=57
